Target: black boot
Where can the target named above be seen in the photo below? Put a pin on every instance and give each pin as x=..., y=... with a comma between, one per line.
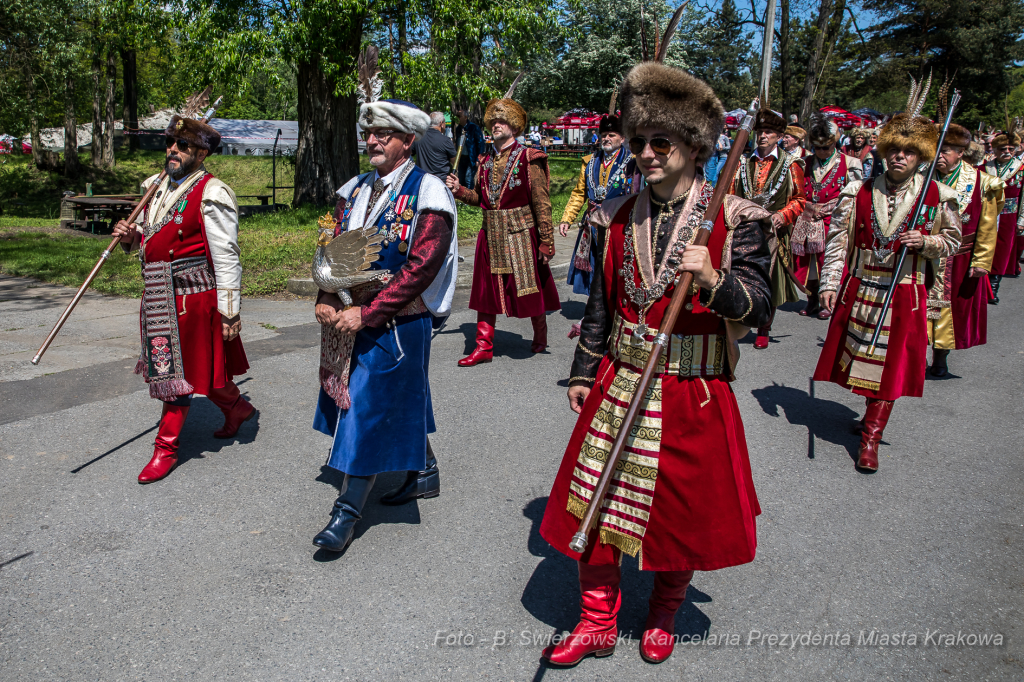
x=418, y=484
x=995, y=280
x=348, y=510
x=939, y=368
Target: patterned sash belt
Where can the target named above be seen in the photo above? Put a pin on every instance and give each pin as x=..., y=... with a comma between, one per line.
x=192, y=276
x=700, y=355
x=967, y=245
x=364, y=294
x=1010, y=206
x=508, y=240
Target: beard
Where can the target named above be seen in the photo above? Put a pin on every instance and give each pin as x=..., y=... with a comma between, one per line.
x=182, y=170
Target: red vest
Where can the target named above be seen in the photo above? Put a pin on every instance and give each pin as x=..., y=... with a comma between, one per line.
x=864, y=237
x=515, y=191
x=833, y=183
x=699, y=320
x=182, y=234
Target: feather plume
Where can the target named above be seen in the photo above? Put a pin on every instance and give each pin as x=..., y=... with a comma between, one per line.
x=670, y=30
x=512, y=88
x=918, y=95
x=942, y=105
x=369, y=82
x=645, y=55
x=611, y=104
x=196, y=103
x=657, y=32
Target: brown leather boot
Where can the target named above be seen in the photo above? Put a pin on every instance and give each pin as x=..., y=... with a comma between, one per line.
x=484, y=351
x=875, y=419
x=540, y=333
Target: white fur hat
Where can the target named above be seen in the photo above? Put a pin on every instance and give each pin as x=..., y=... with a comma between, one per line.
x=394, y=113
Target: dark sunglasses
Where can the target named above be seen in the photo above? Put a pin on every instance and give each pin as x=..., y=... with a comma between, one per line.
x=383, y=136
x=182, y=144
x=659, y=145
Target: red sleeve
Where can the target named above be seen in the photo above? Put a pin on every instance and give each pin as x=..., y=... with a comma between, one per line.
x=426, y=257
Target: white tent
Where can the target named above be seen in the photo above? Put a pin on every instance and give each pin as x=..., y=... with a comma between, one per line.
x=256, y=138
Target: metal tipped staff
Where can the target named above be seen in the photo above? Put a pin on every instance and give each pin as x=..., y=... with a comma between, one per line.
x=194, y=103
x=887, y=301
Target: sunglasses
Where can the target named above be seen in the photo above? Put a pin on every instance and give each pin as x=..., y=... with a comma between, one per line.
x=659, y=145
x=181, y=144
x=383, y=136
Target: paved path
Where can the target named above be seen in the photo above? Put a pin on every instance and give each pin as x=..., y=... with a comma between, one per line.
x=210, y=574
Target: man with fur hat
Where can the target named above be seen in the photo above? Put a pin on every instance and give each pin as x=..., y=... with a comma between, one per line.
x=683, y=498
x=510, y=272
x=869, y=226
x=609, y=173
x=862, y=149
x=190, y=318
x=375, y=394
x=958, y=298
x=773, y=179
x=792, y=142
x=826, y=173
x=1008, y=168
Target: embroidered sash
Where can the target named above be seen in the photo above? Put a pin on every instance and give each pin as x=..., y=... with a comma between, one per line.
x=508, y=240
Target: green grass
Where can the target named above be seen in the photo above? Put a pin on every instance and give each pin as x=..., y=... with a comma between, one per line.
x=275, y=246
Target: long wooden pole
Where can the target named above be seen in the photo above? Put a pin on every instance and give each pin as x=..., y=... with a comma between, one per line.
x=106, y=254
x=679, y=296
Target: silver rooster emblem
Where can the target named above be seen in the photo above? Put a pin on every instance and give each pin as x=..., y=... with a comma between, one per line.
x=343, y=262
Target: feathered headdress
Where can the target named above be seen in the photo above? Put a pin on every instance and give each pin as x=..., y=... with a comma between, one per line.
x=369, y=83
x=918, y=95
x=507, y=109
x=910, y=130
x=956, y=134
x=654, y=95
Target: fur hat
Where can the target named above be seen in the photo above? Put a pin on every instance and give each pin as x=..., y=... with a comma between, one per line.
x=859, y=132
x=770, y=121
x=975, y=154
x=823, y=130
x=915, y=133
x=657, y=96
x=958, y=136
x=507, y=110
x=1004, y=138
x=610, y=123
x=196, y=133
x=796, y=131
x=394, y=113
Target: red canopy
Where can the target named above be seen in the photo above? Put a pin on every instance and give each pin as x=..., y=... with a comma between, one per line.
x=845, y=119
x=575, y=122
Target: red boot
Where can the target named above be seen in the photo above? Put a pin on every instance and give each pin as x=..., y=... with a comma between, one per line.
x=540, y=333
x=761, y=342
x=875, y=419
x=236, y=409
x=484, y=350
x=165, y=447
x=596, y=632
x=668, y=595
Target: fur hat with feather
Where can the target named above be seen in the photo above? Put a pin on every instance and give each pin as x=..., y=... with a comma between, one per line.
x=910, y=130
x=506, y=109
x=374, y=112
x=822, y=130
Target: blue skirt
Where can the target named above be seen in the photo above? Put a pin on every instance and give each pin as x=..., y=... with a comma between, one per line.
x=580, y=279
x=386, y=428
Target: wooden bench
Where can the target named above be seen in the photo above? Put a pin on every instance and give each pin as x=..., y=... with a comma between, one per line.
x=264, y=198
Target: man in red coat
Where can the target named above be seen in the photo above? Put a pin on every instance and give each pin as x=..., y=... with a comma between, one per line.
x=958, y=299
x=868, y=228
x=1010, y=169
x=510, y=272
x=683, y=499
x=190, y=317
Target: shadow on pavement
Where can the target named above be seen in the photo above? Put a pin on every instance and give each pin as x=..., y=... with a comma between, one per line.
x=825, y=419
x=552, y=593
x=506, y=343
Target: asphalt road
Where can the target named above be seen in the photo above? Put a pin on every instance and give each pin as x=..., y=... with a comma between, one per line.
x=211, y=574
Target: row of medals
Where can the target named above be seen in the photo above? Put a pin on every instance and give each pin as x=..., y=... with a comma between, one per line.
x=392, y=228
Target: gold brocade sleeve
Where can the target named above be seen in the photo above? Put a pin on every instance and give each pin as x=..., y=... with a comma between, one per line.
x=837, y=241
x=992, y=201
x=579, y=195
x=946, y=233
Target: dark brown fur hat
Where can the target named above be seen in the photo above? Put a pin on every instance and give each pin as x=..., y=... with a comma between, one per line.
x=823, y=130
x=196, y=133
x=657, y=96
x=975, y=154
x=1004, y=138
x=769, y=120
x=507, y=110
x=610, y=123
x=909, y=132
x=957, y=136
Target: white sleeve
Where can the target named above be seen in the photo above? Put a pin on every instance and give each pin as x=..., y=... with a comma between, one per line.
x=220, y=217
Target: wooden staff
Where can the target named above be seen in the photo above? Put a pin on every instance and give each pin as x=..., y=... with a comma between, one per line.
x=109, y=250
x=682, y=285
x=458, y=154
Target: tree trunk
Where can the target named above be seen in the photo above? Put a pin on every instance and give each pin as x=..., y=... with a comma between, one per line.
x=33, y=122
x=108, y=122
x=811, y=81
x=130, y=75
x=785, y=60
x=96, y=148
x=71, y=165
x=327, y=155
x=403, y=41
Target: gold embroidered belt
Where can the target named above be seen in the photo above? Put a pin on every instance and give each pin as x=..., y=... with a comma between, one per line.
x=687, y=355
x=508, y=240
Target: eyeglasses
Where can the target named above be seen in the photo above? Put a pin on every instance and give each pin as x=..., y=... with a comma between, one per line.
x=659, y=145
x=181, y=144
x=383, y=135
